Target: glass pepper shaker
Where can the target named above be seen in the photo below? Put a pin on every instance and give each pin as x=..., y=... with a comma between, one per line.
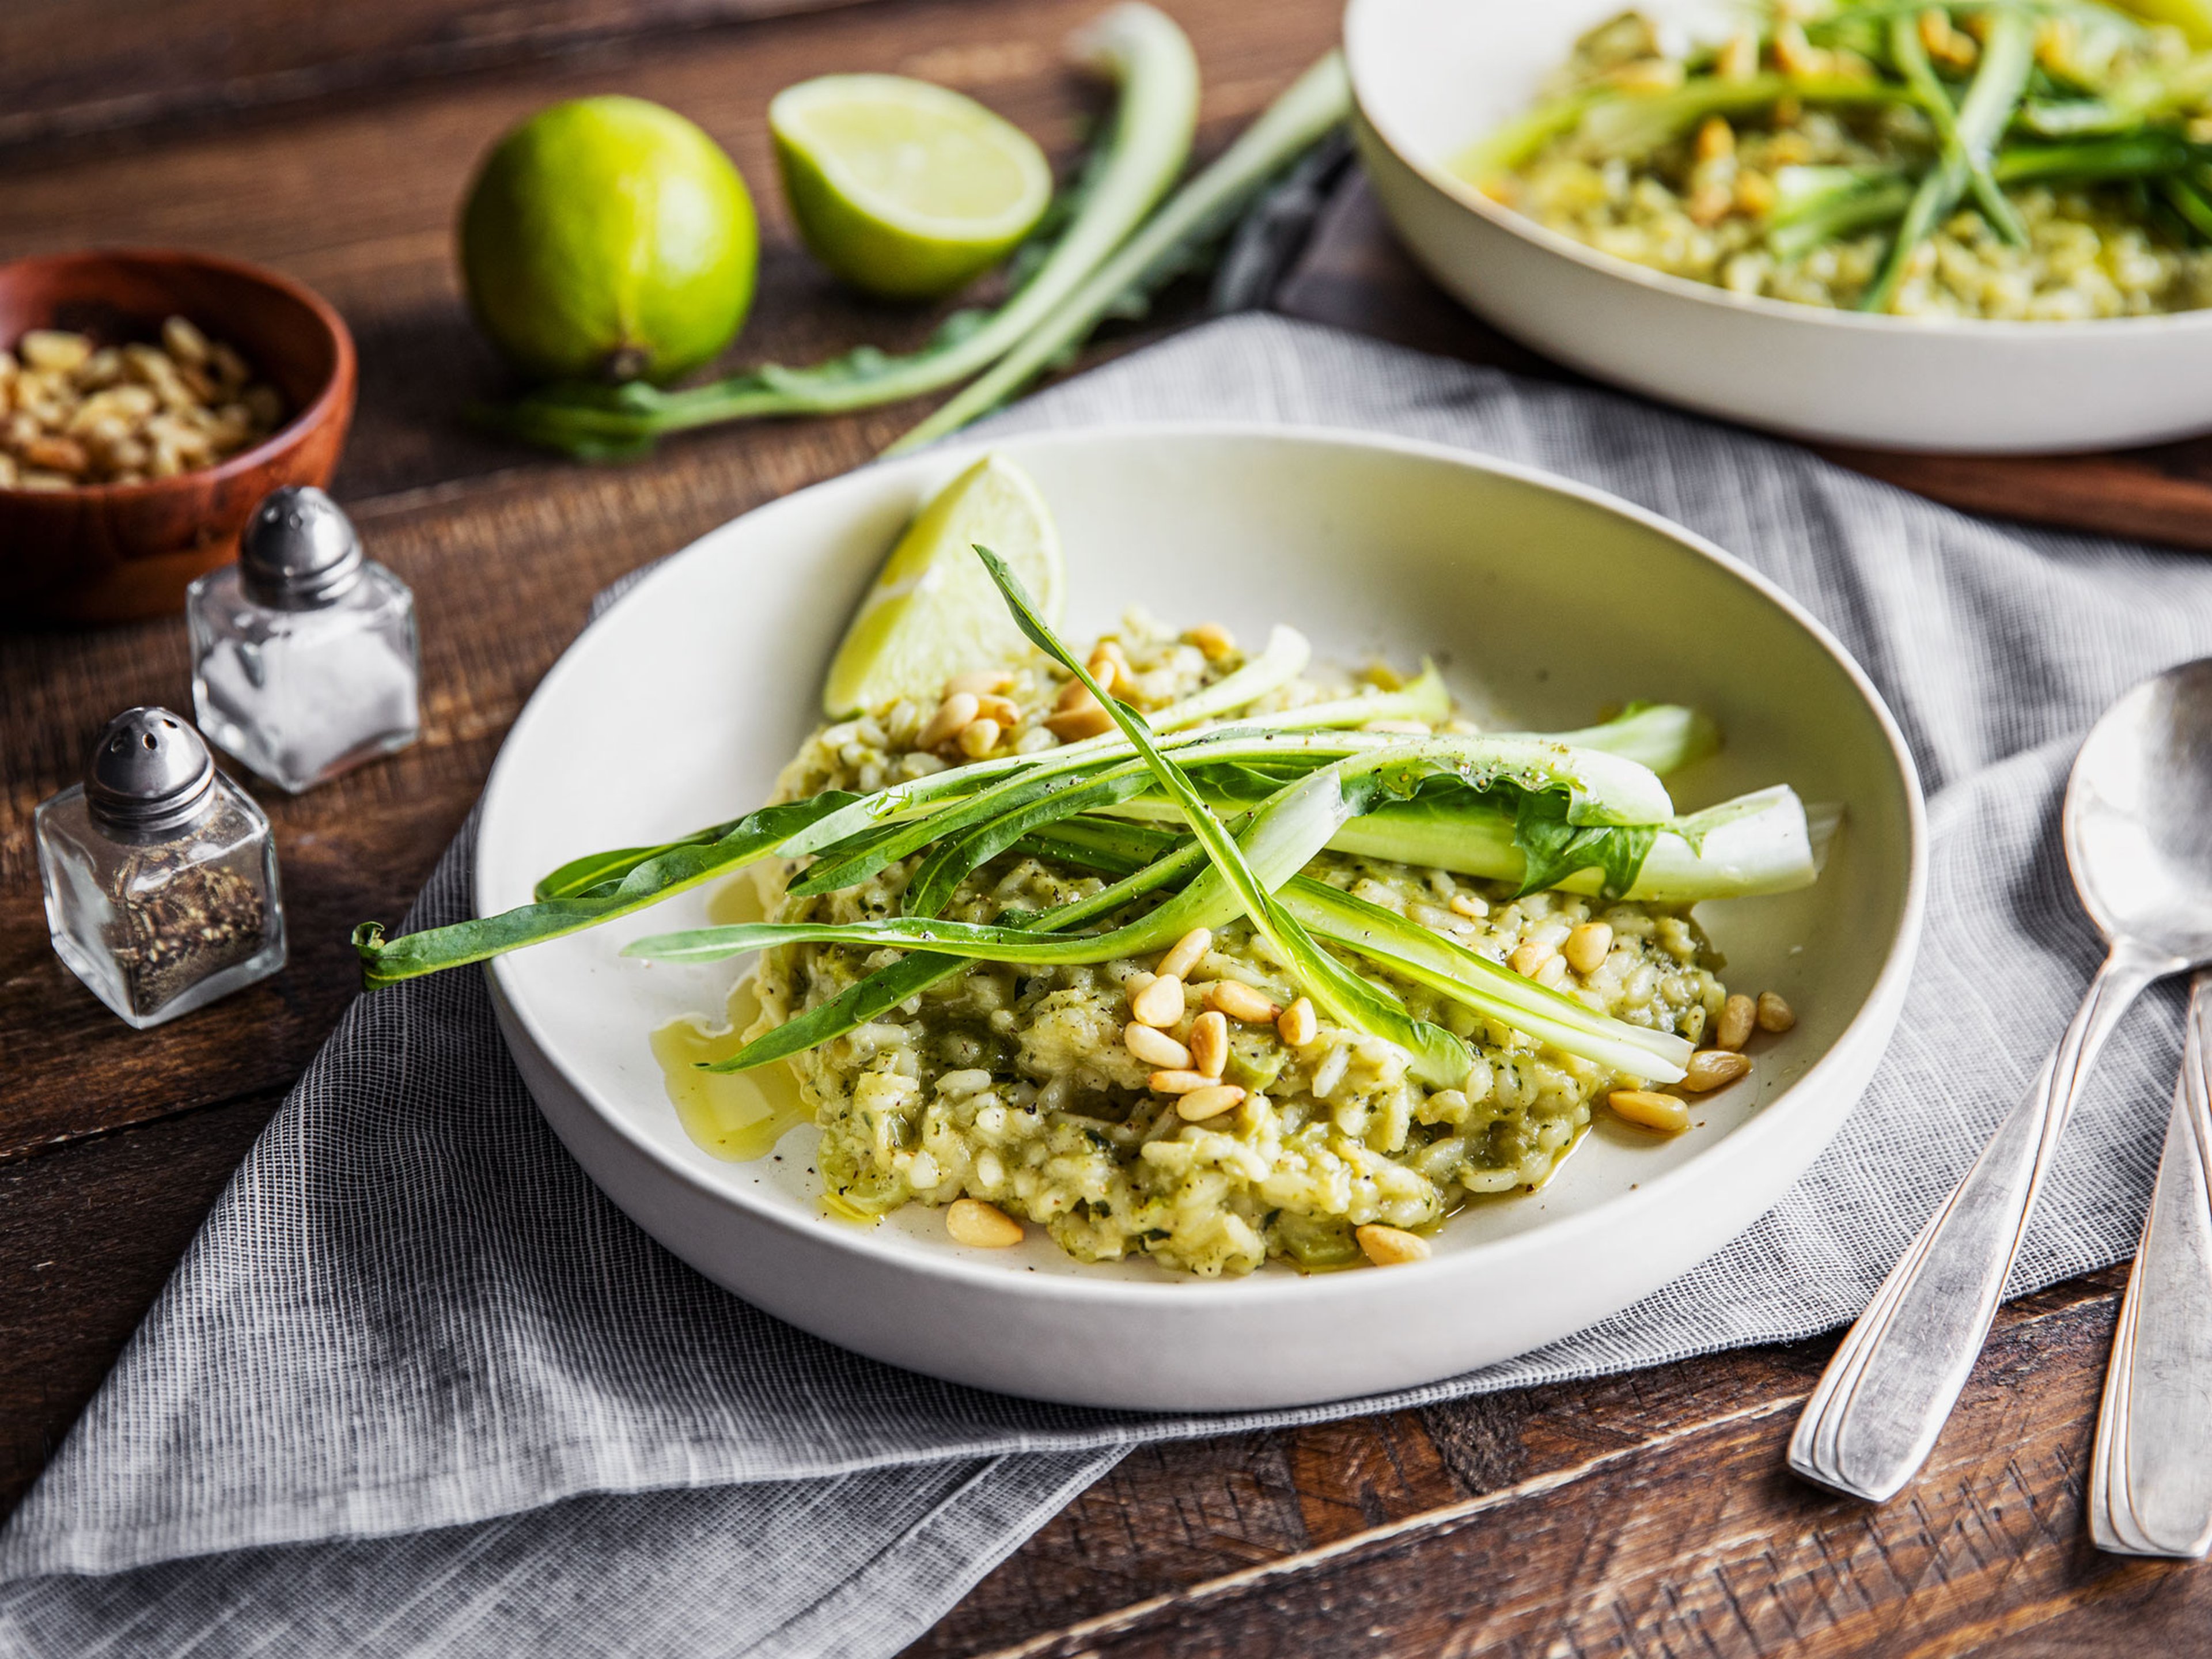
x=160, y=873
x=305, y=661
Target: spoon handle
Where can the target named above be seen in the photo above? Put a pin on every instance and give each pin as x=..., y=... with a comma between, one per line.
x=1881, y=1402
x=2150, y=1479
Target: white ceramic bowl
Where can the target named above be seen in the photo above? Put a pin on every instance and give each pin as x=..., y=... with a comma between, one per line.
x=1432, y=76
x=1547, y=601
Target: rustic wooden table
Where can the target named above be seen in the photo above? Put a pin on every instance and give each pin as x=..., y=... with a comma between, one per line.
x=1649, y=1513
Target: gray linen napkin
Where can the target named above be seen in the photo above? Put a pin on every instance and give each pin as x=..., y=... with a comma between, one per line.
x=418, y=1388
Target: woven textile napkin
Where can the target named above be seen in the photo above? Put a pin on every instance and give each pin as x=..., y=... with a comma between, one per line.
x=418, y=1388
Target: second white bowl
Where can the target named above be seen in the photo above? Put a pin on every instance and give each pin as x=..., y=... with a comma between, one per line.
x=1432, y=76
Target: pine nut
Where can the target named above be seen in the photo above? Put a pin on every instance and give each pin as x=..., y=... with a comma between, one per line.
x=1775, y=1014
x=1530, y=959
x=1710, y=1068
x=1587, y=947
x=1187, y=953
x=1155, y=1047
x=52, y=349
x=1110, y=666
x=1734, y=1028
x=1739, y=59
x=1001, y=709
x=1240, y=1002
x=1213, y=641
x=1180, y=1083
x=1472, y=906
x=1298, y=1026
x=1390, y=1247
x=1715, y=138
x=980, y=737
x=1794, y=54
x=1209, y=1043
x=185, y=343
x=2054, y=45
x=1159, y=1003
x=1647, y=1109
x=978, y=682
x=1212, y=1101
x=952, y=715
x=1646, y=75
x=1087, y=719
x=985, y=1226
x=56, y=455
x=1711, y=201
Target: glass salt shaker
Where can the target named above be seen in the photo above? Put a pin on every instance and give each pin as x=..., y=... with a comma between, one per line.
x=305, y=661
x=160, y=873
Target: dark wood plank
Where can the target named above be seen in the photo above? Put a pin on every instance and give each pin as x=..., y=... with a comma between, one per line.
x=73, y=67
x=87, y=1238
x=1645, y=1514
x=1355, y=276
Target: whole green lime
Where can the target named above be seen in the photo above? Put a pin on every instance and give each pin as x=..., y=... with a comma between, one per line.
x=608, y=238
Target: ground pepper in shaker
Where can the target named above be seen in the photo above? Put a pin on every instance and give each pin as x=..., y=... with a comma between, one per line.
x=160, y=873
x=305, y=661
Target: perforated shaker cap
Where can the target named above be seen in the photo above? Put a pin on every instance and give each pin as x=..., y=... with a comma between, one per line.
x=151, y=770
x=299, y=550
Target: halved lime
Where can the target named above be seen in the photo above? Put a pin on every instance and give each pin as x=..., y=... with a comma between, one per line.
x=934, y=611
x=904, y=188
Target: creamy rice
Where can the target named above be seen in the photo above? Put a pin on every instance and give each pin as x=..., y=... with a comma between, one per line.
x=1011, y=1084
x=1699, y=205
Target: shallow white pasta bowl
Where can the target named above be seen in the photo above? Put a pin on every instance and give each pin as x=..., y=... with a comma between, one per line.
x=1432, y=76
x=1545, y=601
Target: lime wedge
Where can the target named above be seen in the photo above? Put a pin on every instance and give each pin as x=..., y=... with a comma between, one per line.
x=933, y=611
x=904, y=188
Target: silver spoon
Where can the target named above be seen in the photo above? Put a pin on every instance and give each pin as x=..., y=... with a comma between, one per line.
x=2150, y=1479
x=2137, y=829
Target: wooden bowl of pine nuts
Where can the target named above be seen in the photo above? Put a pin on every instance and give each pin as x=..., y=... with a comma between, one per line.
x=148, y=400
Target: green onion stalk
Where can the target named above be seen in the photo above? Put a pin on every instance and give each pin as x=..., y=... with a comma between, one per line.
x=1210, y=812
x=1134, y=46
x=1314, y=106
x=1242, y=858
x=2007, y=56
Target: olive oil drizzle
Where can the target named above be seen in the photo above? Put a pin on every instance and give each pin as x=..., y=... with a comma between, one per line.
x=736, y=1116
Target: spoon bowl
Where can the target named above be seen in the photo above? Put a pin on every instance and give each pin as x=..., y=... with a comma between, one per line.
x=2138, y=824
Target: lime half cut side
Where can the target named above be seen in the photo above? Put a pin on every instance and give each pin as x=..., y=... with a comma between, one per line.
x=933, y=611
x=904, y=188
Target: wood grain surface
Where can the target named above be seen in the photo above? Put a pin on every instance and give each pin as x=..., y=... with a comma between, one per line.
x=78, y=68
x=1643, y=1514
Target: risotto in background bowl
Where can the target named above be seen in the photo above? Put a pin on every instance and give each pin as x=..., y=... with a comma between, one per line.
x=2089, y=334
x=1545, y=603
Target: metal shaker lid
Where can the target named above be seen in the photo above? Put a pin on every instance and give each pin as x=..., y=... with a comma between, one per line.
x=149, y=771
x=299, y=550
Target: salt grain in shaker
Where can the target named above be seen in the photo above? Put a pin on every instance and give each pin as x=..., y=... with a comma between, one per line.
x=305, y=662
x=160, y=873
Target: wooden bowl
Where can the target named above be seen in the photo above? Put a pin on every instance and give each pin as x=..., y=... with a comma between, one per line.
x=119, y=552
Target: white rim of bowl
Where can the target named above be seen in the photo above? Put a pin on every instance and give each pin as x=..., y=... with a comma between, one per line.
x=1770, y=1122
x=1372, y=113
